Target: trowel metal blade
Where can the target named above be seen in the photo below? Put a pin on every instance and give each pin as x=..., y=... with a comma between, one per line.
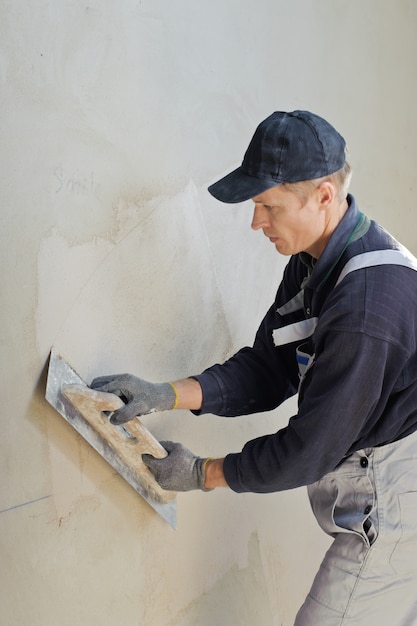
x=112, y=442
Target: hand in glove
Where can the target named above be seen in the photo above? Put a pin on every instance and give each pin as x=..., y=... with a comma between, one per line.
x=140, y=396
x=181, y=470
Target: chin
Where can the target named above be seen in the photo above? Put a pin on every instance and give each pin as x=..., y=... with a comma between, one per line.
x=283, y=249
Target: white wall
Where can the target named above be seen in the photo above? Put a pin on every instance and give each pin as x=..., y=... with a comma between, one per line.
x=115, y=118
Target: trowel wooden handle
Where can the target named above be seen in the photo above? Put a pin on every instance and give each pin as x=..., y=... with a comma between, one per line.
x=91, y=403
x=149, y=443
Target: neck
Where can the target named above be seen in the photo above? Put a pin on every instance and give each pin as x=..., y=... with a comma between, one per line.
x=333, y=219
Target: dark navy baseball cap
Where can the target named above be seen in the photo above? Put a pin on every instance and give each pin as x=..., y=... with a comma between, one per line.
x=286, y=148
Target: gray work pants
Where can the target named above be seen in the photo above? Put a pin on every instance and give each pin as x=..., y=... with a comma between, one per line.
x=369, y=574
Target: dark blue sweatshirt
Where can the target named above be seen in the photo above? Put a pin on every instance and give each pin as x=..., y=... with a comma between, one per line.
x=348, y=348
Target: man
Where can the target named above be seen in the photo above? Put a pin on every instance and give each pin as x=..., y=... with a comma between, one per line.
x=342, y=332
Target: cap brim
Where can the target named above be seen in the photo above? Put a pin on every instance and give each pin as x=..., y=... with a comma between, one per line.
x=239, y=187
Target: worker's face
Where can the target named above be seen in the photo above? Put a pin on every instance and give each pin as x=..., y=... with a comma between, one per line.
x=291, y=223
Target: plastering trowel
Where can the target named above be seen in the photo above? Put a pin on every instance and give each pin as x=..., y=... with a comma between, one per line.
x=122, y=446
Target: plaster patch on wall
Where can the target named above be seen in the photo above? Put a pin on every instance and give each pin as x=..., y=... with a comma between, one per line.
x=64, y=271
x=144, y=300
x=77, y=471
x=239, y=597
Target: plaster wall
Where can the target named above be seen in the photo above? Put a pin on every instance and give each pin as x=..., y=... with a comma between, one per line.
x=115, y=118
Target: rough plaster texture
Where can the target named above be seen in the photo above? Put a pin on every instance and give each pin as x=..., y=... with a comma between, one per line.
x=115, y=117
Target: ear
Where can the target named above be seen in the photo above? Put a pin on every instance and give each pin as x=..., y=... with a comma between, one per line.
x=326, y=193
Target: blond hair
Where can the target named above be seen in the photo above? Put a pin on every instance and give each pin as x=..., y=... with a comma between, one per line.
x=340, y=179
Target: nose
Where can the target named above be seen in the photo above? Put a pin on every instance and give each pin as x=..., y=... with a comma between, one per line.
x=260, y=217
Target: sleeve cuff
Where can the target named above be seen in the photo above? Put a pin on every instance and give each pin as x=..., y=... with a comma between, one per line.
x=212, y=394
x=231, y=472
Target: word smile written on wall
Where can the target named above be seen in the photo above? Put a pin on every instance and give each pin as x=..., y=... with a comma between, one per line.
x=75, y=182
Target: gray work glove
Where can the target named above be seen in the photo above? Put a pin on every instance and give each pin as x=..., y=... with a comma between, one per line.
x=181, y=470
x=140, y=396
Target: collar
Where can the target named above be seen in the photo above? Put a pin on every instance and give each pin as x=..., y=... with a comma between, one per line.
x=352, y=226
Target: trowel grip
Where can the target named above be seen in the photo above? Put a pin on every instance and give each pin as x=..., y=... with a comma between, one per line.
x=148, y=443
x=99, y=401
